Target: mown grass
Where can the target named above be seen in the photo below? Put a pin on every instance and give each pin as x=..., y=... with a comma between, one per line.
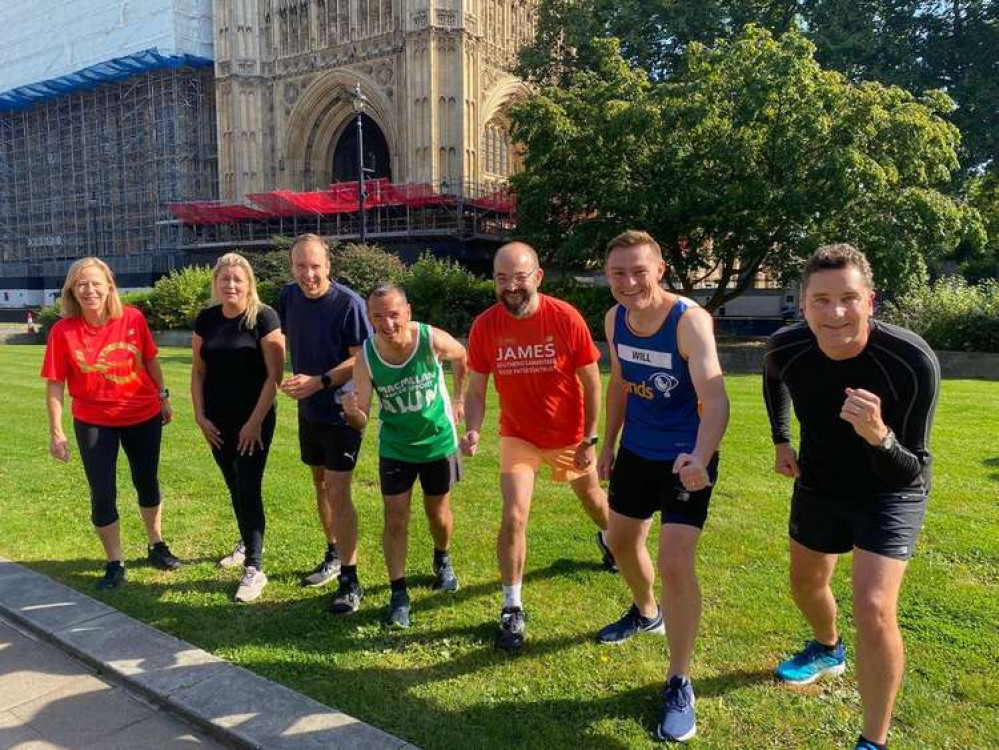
x=441, y=684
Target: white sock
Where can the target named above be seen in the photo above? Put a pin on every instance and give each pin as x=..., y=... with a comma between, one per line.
x=511, y=596
x=603, y=537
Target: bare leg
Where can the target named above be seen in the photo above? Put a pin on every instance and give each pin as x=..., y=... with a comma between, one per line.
x=880, y=651
x=110, y=537
x=593, y=498
x=811, y=573
x=627, y=539
x=152, y=518
x=511, y=544
x=326, y=517
x=681, y=593
x=344, y=514
x=438, y=510
x=395, y=534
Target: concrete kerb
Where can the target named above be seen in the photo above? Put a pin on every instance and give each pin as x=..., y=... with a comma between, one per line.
x=229, y=703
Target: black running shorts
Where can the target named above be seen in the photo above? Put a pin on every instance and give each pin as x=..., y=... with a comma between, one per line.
x=886, y=524
x=436, y=477
x=639, y=487
x=333, y=446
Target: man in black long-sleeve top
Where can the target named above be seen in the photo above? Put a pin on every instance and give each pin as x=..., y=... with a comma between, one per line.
x=864, y=393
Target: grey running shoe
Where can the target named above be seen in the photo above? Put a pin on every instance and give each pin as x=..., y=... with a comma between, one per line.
x=347, y=598
x=114, y=576
x=513, y=629
x=607, y=557
x=250, y=585
x=631, y=625
x=444, y=577
x=323, y=573
x=398, y=610
x=235, y=558
x=161, y=557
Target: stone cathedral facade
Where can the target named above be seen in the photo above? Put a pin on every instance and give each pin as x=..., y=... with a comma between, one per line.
x=436, y=75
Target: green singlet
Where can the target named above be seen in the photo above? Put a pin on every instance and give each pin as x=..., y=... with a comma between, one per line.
x=416, y=420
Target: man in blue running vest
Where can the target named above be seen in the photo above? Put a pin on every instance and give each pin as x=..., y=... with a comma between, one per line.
x=667, y=392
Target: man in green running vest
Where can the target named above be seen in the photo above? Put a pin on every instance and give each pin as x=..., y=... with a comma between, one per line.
x=417, y=437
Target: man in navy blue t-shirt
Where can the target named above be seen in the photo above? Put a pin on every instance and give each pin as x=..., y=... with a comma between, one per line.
x=325, y=325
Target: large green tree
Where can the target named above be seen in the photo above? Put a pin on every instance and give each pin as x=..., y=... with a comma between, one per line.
x=745, y=159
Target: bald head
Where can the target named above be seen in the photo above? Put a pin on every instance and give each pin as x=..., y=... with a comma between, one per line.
x=518, y=254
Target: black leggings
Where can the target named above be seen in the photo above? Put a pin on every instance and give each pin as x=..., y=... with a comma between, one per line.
x=244, y=476
x=99, y=451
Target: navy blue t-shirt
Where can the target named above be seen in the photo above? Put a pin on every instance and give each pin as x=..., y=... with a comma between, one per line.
x=320, y=333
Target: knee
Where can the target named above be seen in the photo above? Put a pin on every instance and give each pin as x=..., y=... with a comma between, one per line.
x=104, y=515
x=514, y=524
x=676, y=566
x=621, y=544
x=396, y=521
x=807, y=583
x=874, y=612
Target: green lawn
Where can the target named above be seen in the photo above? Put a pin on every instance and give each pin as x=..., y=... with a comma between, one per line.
x=441, y=684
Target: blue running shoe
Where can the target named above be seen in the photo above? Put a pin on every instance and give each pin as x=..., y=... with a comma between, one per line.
x=865, y=744
x=676, y=722
x=631, y=625
x=811, y=663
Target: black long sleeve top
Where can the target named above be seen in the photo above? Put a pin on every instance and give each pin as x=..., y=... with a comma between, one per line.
x=896, y=365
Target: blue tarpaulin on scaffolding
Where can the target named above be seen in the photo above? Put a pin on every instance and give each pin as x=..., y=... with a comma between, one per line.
x=117, y=69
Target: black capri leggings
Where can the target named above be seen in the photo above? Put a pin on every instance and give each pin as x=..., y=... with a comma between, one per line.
x=99, y=452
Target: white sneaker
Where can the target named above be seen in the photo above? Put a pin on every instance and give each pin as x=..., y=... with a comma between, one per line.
x=235, y=558
x=250, y=585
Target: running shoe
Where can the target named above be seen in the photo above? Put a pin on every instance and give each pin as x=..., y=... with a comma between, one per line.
x=398, y=610
x=811, y=663
x=347, y=598
x=161, y=557
x=235, y=558
x=865, y=744
x=513, y=629
x=677, y=722
x=251, y=584
x=444, y=577
x=607, y=557
x=114, y=576
x=324, y=572
x=631, y=624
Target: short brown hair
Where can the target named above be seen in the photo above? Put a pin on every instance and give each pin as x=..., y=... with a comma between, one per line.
x=310, y=237
x=633, y=238
x=834, y=257
x=70, y=305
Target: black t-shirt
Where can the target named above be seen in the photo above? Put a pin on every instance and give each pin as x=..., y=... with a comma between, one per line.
x=896, y=365
x=235, y=370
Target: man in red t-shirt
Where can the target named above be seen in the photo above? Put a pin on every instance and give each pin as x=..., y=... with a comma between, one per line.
x=544, y=363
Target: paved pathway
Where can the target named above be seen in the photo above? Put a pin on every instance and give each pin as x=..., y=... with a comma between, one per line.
x=50, y=700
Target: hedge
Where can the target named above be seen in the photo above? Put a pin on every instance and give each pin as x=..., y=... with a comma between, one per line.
x=951, y=314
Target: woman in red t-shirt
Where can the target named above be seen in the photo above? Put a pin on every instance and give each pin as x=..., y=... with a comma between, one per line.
x=105, y=354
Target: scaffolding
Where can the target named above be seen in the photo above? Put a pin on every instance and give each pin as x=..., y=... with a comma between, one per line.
x=90, y=172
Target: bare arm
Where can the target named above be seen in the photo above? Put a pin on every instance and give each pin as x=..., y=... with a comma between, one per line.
x=302, y=386
x=357, y=404
x=696, y=341
x=58, y=444
x=616, y=402
x=589, y=378
x=475, y=411
x=449, y=348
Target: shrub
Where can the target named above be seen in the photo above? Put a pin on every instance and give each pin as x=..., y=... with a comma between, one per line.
x=950, y=314
x=46, y=318
x=591, y=300
x=445, y=294
x=361, y=267
x=273, y=267
x=176, y=299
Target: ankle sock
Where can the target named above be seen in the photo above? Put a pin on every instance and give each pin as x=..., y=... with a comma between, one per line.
x=399, y=584
x=511, y=596
x=862, y=740
x=331, y=552
x=349, y=572
x=441, y=556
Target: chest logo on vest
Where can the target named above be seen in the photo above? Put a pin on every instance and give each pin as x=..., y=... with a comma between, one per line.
x=664, y=383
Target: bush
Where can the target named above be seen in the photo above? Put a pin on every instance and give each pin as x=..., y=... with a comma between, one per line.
x=445, y=294
x=361, y=267
x=46, y=318
x=273, y=267
x=591, y=300
x=950, y=314
x=177, y=299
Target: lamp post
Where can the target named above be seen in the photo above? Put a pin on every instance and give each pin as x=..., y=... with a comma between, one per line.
x=358, y=101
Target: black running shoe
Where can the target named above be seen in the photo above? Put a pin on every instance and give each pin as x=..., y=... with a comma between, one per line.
x=607, y=557
x=513, y=629
x=444, y=577
x=398, y=610
x=114, y=576
x=324, y=572
x=347, y=598
x=161, y=557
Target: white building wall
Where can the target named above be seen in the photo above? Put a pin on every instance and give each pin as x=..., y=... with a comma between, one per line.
x=43, y=39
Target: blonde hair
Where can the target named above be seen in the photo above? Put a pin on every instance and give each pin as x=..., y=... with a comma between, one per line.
x=70, y=305
x=633, y=238
x=253, y=303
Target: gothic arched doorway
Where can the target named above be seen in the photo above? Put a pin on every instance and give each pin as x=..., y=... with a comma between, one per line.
x=377, y=162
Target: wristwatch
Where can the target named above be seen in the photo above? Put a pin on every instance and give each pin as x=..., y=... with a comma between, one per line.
x=326, y=380
x=887, y=442
x=164, y=394
x=591, y=440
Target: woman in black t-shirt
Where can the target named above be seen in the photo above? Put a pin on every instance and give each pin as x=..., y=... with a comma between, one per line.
x=238, y=359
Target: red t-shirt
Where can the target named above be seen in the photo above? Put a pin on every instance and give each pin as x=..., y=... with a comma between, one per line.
x=104, y=368
x=534, y=362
